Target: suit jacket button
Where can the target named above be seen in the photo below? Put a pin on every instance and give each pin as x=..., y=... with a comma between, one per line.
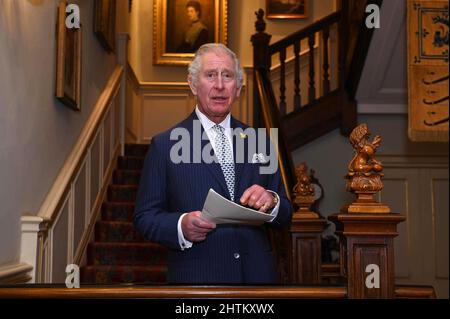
x=236, y=255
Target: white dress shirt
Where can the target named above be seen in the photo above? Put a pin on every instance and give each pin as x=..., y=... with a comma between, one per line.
x=207, y=126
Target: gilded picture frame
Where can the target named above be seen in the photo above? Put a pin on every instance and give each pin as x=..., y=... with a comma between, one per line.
x=68, y=62
x=181, y=26
x=286, y=9
x=105, y=23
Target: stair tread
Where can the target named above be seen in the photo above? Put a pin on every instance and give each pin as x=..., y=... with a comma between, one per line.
x=123, y=193
x=118, y=203
x=115, y=222
x=118, y=211
x=130, y=162
x=130, y=258
x=123, y=186
x=107, y=274
x=117, y=232
x=132, y=149
x=145, y=244
x=132, y=157
x=126, y=177
x=137, y=144
x=126, y=267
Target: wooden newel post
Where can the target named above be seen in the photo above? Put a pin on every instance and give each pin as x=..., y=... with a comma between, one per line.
x=366, y=228
x=306, y=229
x=261, y=61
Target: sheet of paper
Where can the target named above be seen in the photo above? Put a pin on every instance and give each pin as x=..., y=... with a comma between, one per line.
x=220, y=210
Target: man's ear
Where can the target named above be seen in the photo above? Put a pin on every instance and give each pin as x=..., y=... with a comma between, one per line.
x=192, y=86
x=238, y=91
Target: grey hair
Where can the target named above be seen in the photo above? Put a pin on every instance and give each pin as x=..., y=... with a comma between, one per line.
x=217, y=48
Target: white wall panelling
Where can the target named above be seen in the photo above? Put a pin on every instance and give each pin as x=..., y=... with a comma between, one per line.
x=417, y=187
x=153, y=107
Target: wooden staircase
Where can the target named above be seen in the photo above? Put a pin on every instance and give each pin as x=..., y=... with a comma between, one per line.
x=118, y=254
x=343, y=42
x=327, y=103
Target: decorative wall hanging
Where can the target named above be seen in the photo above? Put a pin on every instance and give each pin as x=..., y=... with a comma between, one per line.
x=68, y=61
x=286, y=9
x=428, y=73
x=105, y=23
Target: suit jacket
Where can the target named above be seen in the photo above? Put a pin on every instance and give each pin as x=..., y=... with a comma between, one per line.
x=231, y=254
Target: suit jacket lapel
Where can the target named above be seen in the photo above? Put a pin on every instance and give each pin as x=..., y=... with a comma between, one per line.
x=238, y=164
x=214, y=167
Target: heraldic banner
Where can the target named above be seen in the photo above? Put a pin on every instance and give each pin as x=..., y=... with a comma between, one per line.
x=428, y=73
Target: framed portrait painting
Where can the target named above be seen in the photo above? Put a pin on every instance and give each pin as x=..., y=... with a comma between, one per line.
x=105, y=23
x=286, y=9
x=68, y=61
x=180, y=27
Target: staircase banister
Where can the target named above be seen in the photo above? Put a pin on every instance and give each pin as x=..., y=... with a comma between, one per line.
x=272, y=120
x=60, y=187
x=207, y=292
x=305, y=32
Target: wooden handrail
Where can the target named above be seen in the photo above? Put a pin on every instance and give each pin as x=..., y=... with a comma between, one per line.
x=272, y=292
x=61, y=186
x=214, y=292
x=410, y=292
x=305, y=32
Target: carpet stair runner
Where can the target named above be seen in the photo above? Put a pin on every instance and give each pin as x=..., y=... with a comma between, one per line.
x=119, y=254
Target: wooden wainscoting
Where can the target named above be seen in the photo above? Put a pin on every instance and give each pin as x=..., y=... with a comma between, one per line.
x=153, y=107
x=417, y=187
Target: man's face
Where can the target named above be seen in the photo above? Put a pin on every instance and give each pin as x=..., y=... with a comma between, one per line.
x=216, y=87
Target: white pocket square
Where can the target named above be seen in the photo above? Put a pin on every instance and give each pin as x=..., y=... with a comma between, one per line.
x=259, y=158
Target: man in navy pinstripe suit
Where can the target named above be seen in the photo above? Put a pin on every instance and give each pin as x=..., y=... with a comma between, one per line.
x=172, y=193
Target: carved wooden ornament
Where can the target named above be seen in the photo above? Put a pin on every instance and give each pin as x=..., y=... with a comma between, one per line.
x=365, y=173
x=304, y=192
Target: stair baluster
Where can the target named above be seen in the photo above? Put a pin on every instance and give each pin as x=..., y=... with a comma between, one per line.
x=312, y=88
x=326, y=81
x=283, y=81
x=297, y=96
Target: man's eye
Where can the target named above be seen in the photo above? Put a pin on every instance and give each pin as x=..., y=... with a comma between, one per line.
x=228, y=76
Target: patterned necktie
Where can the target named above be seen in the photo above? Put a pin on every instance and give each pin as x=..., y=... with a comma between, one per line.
x=225, y=157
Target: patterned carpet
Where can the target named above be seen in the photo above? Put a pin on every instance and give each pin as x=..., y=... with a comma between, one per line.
x=118, y=254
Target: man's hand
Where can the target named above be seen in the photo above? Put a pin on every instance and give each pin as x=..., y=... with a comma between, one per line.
x=194, y=227
x=257, y=197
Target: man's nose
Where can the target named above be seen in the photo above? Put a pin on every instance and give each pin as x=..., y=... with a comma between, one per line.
x=218, y=84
